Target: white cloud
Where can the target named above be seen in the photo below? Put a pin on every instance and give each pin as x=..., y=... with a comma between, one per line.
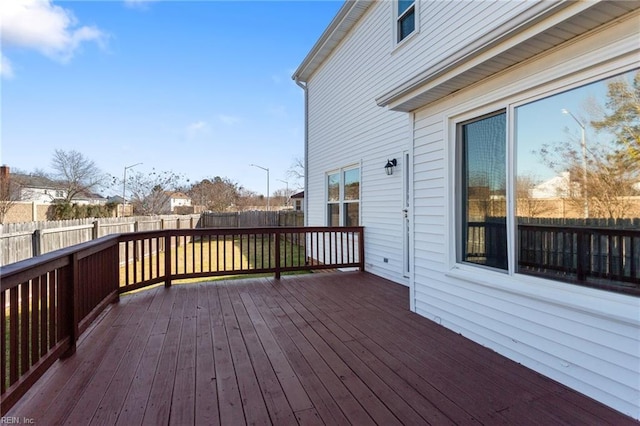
x=6, y=70
x=229, y=119
x=49, y=29
x=138, y=4
x=197, y=128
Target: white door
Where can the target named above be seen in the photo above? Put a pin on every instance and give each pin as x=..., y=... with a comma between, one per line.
x=406, y=214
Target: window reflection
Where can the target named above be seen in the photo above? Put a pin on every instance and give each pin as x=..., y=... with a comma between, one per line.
x=577, y=185
x=578, y=154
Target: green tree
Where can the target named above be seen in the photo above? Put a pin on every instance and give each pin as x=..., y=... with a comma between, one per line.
x=622, y=115
x=151, y=192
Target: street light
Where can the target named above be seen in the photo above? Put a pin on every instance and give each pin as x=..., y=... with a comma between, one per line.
x=583, y=142
x=124, y=186
x=267, y=170
x=287, y=193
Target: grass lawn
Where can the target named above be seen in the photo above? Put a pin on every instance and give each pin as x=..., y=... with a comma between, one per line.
x=240, y=254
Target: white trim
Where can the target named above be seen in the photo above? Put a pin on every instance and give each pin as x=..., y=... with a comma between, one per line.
x=443, y=79
x=395, y=43
x=463, y=112
x=341, y=200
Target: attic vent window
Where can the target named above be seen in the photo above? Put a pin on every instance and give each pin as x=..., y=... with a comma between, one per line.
x=406, y=21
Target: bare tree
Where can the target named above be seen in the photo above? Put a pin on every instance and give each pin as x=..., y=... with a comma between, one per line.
x=296, y=171
x=604, y=174
x=9, y=193
x=527, y=204
x=76, y=173
x=248, y=199
x=151, y=192
x=217, y=194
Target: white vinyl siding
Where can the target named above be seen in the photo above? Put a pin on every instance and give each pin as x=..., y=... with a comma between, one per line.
x=585, y=338
x=339, y=130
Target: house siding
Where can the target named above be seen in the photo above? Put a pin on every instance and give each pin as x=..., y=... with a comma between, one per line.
x=585, y=338
x=339, y=130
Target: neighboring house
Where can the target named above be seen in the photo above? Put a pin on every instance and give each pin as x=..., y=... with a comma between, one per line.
x=557, y=186
x=297, y=200
x=419, y=116
x=39, y=189
x=42, y=190
x=177, y=200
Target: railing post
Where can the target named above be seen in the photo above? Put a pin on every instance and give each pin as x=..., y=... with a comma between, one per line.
x=70, y=311
x=277, y=234
x=167, y=261
x=582, y=253
x=361, y=248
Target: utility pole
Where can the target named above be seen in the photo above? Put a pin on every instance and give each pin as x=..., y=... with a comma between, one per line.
x=124, y=186
x=267, y=170
x=583, y=142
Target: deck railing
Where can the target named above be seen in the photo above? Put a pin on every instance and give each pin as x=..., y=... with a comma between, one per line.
x=49, y=300
x=600, y=257
x=593, y=256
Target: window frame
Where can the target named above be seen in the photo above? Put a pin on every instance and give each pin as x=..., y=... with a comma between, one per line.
x=460, y=175
x=399, y=17
x=457, y=116
x=342, y=201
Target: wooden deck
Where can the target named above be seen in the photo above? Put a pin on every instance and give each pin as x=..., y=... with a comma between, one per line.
x=329, y=348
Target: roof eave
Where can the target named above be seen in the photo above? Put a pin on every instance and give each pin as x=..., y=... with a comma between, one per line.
x=341, y=24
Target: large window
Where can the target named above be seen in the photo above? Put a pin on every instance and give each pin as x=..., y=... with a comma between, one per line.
x=572, y=195
x=406, y=19
x=343, y=197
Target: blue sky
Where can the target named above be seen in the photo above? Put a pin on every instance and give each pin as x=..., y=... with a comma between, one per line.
x=201, y=89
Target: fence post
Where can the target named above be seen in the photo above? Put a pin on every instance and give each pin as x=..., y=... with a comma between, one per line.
x=36, y=243
x=277, y=234
x=95, y=230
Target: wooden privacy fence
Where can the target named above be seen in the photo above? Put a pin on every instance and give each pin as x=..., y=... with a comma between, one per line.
x=19, y=241
x=251, y=219
x=49, y=300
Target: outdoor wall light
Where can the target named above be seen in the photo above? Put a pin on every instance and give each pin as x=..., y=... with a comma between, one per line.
x=390, y=165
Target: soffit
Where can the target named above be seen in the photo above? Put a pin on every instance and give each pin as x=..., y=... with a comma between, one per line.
x=541, y=32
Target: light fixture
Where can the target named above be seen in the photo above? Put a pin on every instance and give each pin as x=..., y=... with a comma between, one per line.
x=390, y=165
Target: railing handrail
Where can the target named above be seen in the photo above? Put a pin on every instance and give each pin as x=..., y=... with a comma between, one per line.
x=13, y=273
x=583, y=229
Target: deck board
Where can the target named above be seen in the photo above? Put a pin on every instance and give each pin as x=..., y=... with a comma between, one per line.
x=331, y=348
